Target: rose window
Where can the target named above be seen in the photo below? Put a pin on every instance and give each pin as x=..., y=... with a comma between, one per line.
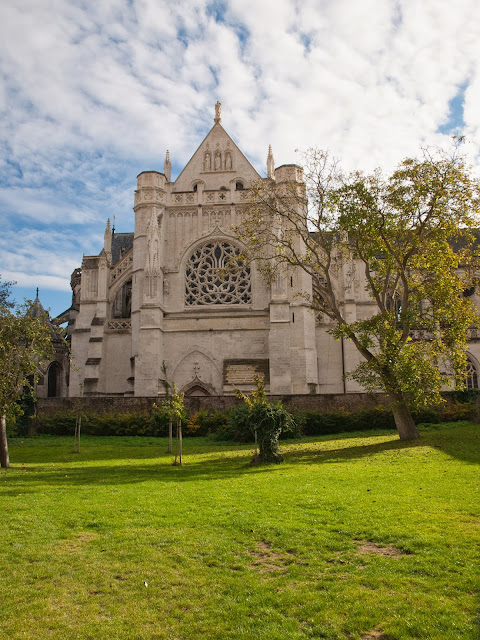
x=215, y=276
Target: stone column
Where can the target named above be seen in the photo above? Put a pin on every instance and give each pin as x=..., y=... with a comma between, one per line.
x=147, y=284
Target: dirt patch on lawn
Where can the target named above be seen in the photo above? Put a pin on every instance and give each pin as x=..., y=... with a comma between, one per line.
x=77, y=541
x=379, y=550
x=266, y=560
x=375, y=635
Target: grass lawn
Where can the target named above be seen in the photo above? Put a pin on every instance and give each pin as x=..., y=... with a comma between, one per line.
x=354, y=536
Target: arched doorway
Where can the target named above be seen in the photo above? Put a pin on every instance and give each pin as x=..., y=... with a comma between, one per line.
x=53, y=380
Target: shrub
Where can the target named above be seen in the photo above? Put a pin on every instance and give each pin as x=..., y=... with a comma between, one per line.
x=317, y=423
x=265, y=420
x=206, y=423
x=235, y=423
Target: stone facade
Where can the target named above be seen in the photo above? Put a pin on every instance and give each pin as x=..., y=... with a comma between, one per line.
x=152, y=303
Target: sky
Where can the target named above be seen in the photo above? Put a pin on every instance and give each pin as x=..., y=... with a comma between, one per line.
x=93, y=93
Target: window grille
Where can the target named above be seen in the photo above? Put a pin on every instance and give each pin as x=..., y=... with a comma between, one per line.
x=215, y=276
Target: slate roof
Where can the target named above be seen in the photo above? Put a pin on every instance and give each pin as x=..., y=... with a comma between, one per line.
x=120, y=240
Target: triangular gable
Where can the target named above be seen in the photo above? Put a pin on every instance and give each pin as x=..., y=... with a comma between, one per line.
x=217, y=162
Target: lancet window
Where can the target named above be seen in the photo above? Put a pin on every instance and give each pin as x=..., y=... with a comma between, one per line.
x=122, y=305
x=471, y=381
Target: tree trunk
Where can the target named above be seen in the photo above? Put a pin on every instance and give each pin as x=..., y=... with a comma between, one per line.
x=4, y=459
x=180, y=440
x=170, y=434
x=79, y=429
x=406, y=427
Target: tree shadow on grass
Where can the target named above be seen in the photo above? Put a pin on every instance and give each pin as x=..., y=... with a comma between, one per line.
x=121, y=472
x=458, y=440
x=59, y=449
x=347, y=454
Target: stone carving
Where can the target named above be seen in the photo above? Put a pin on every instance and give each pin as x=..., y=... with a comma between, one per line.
x=228, y=161
x=218, y=161
x=120, y=325
x=167, y=167
x=207, y=163
x=218, y=112
x=206, y=286
x=216, y=218
x=152, y=267
x=121, y=267
x=270, y=163
x=91, y=283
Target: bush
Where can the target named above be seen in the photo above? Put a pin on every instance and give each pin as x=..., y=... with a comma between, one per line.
x=264, y=419
x=109, y=424
x=204, y=423
x=235, y=423
x=317, y=423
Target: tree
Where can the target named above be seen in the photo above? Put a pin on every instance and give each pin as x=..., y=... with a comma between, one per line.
x=166, y=386
x=265, y=420
x=25, y=345
x=406, y=239
x=175, y=408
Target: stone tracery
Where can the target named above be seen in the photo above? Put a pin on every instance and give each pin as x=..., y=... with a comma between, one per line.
x=203, y=283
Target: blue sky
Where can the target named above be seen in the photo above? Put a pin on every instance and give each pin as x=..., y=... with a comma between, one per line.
x=93, y=93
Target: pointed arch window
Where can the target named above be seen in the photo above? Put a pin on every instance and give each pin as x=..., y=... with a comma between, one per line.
x=53, y=380
x=394, y=305
x=122, y=305
x=471, y=379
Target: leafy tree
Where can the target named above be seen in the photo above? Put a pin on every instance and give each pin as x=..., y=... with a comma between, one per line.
x=174, y=407
x=265, y=420
x=404, y=238
x=25, y=345
x=166, y=386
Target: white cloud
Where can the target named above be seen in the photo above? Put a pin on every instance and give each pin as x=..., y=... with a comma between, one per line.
x=92, y=93
x=32, y=280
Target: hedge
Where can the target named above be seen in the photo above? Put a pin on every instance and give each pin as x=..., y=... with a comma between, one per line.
x=226, y=426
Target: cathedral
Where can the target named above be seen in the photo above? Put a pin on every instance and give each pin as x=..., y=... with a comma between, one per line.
x=155, y=305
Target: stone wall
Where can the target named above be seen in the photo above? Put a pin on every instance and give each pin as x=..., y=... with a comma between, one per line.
x=120, y=404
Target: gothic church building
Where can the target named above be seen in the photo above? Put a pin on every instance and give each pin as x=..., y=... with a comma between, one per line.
x=153, y=304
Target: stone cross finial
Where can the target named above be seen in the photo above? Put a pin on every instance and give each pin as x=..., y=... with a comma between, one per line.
x=270, y=163
x=218, y=113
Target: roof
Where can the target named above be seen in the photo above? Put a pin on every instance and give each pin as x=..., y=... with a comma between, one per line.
x=121, y=241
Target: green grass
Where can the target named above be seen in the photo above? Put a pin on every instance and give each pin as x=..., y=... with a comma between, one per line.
x=354, y=536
